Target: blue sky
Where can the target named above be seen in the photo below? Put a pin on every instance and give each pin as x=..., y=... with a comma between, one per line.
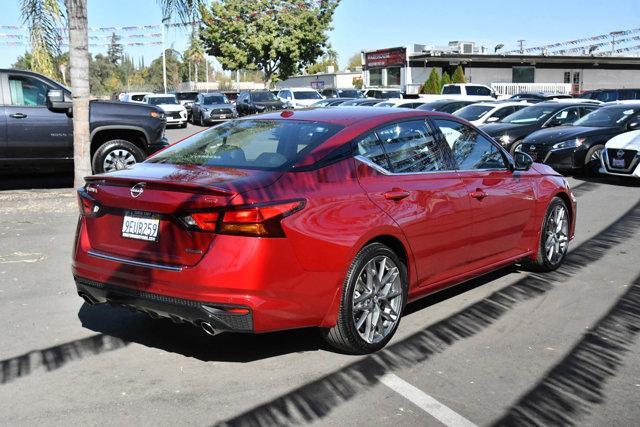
x=370, y=24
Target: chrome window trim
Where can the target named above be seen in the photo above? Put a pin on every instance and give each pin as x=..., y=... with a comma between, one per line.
x=383, y=171
x=100, y=255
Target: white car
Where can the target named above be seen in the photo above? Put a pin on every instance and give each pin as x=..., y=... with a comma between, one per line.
x=488, y=112
x=401, y=103
x=299, y=97
x=137, y=97
x=175, y=113
x=621, y=155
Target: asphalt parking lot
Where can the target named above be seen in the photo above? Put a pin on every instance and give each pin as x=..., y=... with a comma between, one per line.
x=511, y=348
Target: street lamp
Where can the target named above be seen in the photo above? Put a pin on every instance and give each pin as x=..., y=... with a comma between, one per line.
x=613, y=35
x=164, y=59
x=592, y=48
x=498, y=47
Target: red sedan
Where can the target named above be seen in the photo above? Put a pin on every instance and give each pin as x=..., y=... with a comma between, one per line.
x=332, y=218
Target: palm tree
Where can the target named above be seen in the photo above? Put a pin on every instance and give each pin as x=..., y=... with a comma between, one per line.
x=42, y=18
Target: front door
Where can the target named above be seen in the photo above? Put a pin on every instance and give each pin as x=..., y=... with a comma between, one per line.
x=408, y=173
x=33, y=131
x=502, y=201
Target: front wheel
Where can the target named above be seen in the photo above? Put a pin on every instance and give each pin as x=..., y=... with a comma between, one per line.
x=116, y=155
x=514, y=147
x=592, y=160
x=373, y=297
x=554, y=238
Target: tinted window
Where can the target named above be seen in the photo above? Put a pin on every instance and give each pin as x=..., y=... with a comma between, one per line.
x=565, y=117
x=411, y=147
x=607, y=96
x=530, y=114
x=454, y=106
x=607, y=117
x=249, y=144
x=138, y=97
x=473, y=112
x=307, y=94
x=186, y=96
x=214, y=99
x=470, y=149
x=348, y=93
x=451, y=90
x=268, y=96
x=157, y=100
x=504, y=112
x=478, y=91
x=371, y=148
x=628, y=94
x=27, y=91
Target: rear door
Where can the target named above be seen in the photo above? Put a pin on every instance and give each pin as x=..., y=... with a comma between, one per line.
x=33, y=131
x=502, y=202
x=408, y=173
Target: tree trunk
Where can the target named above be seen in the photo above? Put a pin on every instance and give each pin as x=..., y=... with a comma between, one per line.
x=79, y=76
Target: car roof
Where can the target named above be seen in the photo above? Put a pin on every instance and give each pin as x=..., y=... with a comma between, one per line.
x=622, y=104
x=344, y=116
x=299, y=89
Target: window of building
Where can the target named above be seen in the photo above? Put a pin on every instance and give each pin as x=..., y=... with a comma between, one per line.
x=393, y=76
x=375, y=77
x=567, y=77
x=523, y=75
x=576, y=77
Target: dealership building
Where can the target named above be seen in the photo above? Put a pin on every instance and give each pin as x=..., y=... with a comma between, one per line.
x=407, y=68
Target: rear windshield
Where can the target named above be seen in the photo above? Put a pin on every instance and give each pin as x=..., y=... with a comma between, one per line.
x=157, y=100
x=349, y=93
x=186, y=96
x=249, y=144
x=531, y=114
x=311, y=94
x=474, y=112
x=214, y=99
x=263, y=97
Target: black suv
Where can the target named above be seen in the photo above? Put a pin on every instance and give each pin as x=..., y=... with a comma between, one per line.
x=37, y=130
x=257, y=101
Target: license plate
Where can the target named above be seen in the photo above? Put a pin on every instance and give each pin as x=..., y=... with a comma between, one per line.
x=617, y=163
x=223, y=116
x=141, y=226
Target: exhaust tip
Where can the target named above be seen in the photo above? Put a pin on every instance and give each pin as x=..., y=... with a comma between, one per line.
x=87, y=298
x=208, y=328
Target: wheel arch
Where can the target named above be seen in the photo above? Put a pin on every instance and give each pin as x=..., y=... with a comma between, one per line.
x=134, y=134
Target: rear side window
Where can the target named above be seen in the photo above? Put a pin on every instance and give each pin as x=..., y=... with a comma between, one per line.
x=451, y=90
x=410, y=147
x=249, y=144
x=478, y=91
x=471, y=150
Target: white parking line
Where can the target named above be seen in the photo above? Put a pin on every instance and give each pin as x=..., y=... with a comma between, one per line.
x=425, y=402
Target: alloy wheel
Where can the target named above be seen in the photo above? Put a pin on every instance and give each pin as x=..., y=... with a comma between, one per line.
x=377, y=299
x=557, y=234
x=595, y=156
x=118, y=159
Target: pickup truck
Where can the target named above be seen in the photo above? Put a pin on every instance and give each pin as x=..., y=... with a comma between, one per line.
x=36, y=127
x=465, y=91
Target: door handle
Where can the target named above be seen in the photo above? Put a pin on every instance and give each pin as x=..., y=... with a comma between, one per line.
x=18, y=115
x=396, y=194
x=478, y=194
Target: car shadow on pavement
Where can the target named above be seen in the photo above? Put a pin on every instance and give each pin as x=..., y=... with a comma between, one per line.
x=36, y=180
x=56, y=357
x=317, y=399
x=190, y=341
x=576, y=384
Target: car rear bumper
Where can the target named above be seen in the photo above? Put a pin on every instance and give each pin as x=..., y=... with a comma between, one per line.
x=261, y=275
x=222, y=317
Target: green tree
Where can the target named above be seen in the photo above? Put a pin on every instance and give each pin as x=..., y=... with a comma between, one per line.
x=174, y=76
x=278, y=37
x=458, y=75
x=328, y=59
x=357, y=82
x=24, y=62
x=432, y=85
x=115, y=50
x=355, y=62
x=445, y=80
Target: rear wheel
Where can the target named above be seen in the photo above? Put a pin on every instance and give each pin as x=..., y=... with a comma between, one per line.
x=592, y=160
x=116, y=155
x=373, y=297
x=554, y=238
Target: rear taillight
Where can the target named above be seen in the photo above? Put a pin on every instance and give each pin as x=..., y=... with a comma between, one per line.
x=88, y=205
x=260, y=220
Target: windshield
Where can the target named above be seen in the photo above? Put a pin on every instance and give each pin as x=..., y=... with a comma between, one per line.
x=214, y=99
x=307, y=94
x=473, y=112
x=157, y=100
x=606, y=117
x=263, y=97
x=530, y=114
x=385, y=104
x=249, y=144
x=186, y=96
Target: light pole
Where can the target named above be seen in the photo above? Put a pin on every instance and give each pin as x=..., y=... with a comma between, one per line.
x=613, y=35
x=164, y=59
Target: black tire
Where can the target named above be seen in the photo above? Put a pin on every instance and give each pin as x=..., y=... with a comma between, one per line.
x=183, y=125
x=592, y=167
x=515, y=145
x=541, y=263
x=344, y=335
x=99, y=157
x=200, y=120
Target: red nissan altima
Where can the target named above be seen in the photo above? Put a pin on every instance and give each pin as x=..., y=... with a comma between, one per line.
x=332, y=218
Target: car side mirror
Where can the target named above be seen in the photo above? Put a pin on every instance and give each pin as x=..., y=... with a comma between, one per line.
x=633, y=125
x=57, y=101
x=522, y=161
x=492, y=119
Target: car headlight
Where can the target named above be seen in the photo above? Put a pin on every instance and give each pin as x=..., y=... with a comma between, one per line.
x=505, y=139
x=157, y=115
x=571, y=143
